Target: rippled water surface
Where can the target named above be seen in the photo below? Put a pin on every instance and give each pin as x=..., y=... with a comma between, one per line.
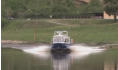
x=40, y=58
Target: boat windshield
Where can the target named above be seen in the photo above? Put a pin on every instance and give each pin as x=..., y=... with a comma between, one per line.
x=61, y=33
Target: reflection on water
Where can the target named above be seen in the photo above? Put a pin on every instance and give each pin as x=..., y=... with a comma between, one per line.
x=111, y=64
x=60, y=61
x=14, y=59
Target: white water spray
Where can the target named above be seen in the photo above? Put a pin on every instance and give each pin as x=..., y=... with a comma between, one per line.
x=41, y=51
x=78, y=50
x=85, y=49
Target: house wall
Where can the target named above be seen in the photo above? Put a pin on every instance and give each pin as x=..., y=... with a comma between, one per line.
x=110, y=65
x=85, y=0
x=106, y=16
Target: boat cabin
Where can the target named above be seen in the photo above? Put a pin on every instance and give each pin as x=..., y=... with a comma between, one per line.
x=61, y=37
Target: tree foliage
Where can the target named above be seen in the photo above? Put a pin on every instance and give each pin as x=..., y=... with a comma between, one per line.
x=111, y=7
x=29, y=8
x=45, y=8
x=94, y=6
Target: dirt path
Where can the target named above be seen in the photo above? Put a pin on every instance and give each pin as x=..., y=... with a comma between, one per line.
x=13, y=41
x=58, y=23
x=17, y=43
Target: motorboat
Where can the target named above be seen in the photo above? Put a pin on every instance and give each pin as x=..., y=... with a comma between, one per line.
x=61, y=41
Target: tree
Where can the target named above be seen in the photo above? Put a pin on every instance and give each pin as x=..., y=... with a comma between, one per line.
x=111, y=8
x=95, y=6
x=63, y=7
x=36, y=8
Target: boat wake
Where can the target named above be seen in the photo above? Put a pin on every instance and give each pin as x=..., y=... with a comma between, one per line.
x=78, y=50
x=41, y=51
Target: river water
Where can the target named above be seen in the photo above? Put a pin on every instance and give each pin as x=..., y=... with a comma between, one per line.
x=39, y=58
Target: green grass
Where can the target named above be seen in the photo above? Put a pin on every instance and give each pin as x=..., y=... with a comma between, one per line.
x=81, y=30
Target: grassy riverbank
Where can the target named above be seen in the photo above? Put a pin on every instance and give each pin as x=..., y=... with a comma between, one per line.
x=81, y=30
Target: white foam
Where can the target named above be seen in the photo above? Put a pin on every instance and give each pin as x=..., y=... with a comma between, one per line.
x=37, y=49
x=77, y=50
x=42, y=51
x=83, y=48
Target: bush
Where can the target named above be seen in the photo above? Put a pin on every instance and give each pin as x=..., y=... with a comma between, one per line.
x=4, y=22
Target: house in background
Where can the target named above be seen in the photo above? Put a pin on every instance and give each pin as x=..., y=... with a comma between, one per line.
x=110, y=65
x=106, y=16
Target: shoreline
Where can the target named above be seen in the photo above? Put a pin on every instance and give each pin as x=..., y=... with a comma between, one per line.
x=19, y=42
x=30, y=44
